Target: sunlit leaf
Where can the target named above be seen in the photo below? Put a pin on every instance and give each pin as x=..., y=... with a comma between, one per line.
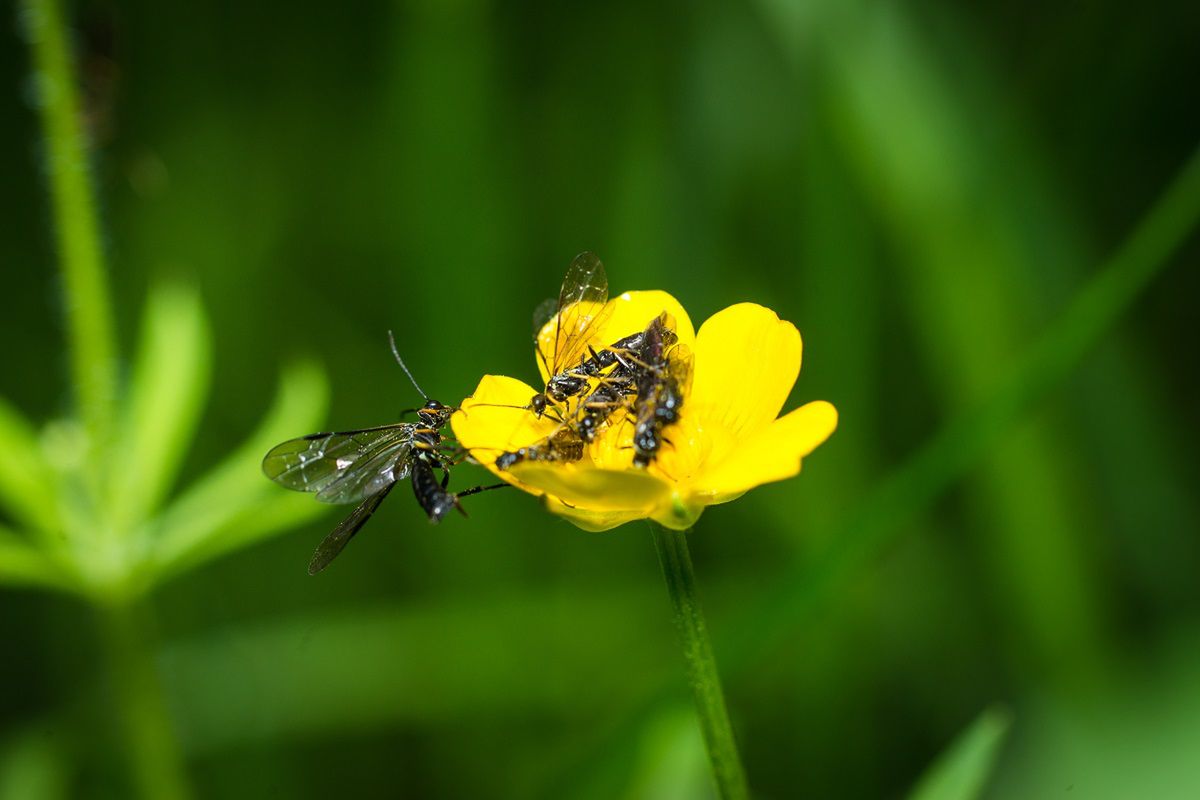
x=26, y=483
x=961, y=772
x=163, y=405
x=236, y=487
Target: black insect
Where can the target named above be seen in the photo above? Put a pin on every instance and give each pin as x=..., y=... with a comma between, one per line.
x=663, y=374
x=580, y=311
x=641, y=364
x=614, y=378
x=659, y=404
x=564, y=445
x=363, y=466
x=651, y=380
x=615, y=392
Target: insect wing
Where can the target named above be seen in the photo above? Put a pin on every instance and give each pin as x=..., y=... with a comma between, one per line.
x=679, y=367
x=585, y=281
x=583, y=308
x=342, y=467
x=543, y=314
x=336, y=542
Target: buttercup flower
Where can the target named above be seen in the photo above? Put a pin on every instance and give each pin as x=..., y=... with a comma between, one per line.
x=728, y=439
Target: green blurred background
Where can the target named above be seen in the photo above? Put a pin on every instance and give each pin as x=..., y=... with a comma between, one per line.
x=921, y=187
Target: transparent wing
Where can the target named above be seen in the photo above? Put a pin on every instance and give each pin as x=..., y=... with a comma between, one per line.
x=585, y=281
x=335, y=542
x=543, y=314
x=342, y=467
x=582, y=309
x=668, y=327
x=679, y=367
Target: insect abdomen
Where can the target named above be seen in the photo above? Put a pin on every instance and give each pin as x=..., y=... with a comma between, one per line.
x=429, y=492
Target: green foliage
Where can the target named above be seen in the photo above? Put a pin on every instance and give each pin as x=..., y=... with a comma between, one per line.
x=163, y=403
x=32, y=768
x=1137, y=740
x=131, y=536
x=945, y=199
x=961, y=773
x=25, y=478
x=224, y=511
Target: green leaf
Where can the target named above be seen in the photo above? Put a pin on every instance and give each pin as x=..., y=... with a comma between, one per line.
x=197, y=526
x=961, y=772
x=275, y=513
x=162, y=408
x=26, y=480
x=23, y=565
x=32, y=766
x=1137, y=738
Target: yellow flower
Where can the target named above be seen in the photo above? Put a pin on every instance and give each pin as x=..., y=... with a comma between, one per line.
x=726, y=442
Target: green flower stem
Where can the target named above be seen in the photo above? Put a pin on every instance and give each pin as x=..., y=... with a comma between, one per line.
x=152, y=748
x=676, y=562
x=88, y=307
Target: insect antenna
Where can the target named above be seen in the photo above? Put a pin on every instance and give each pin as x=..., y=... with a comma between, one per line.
x=403, y=366
x=554, y=413
x=525, y=407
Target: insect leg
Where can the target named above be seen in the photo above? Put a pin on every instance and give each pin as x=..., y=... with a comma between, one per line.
x=478, y=489
x=474, y=490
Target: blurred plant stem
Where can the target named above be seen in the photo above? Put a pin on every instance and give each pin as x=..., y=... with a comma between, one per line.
x=676, y=562
x=138, y=696
x=153, y=751
x=88, y=308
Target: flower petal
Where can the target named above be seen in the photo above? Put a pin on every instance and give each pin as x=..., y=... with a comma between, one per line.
x=593, y=521
x=772, y=454
x=494, y=420
x=747, y=360
x=632, y=312
x=590, y=489
x=628, y=313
